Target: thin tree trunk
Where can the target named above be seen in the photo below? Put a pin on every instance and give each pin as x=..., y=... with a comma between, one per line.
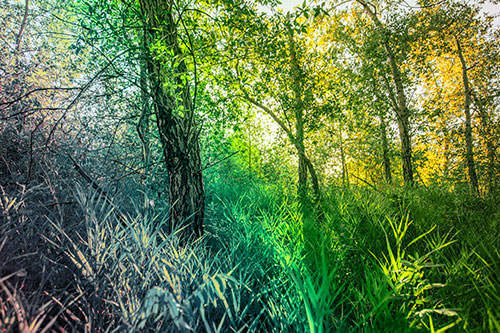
x=176, y=121
x=302, y=185
x=446, y=162
x=295, y=73
x=485, y=131
x=291, y=137
x=402, y=113
x=345, y=174
x=314, y=181
x=385, y=148
x=304, y=163
x=469, y=154
x=402, y=116
x=144, y=120
x=21, y=30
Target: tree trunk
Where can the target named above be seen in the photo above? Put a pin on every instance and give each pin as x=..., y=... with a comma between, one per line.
x=402, y=116
x=487, y=136
x=314, y=178
x=175, y=116
x=143, y=124
x=305, y=164
x=345, y=174
x=446, y=162
x=469, y=154
x=21, y=30
x=295, y=73
x=291, y=137
x=385, y=148
x=302, y=185
x=402, y=113
x=406, y=154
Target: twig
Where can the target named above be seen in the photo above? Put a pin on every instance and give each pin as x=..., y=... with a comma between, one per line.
x=96, y=186
x=219, y=161
x=82, y=173
x=367, y=183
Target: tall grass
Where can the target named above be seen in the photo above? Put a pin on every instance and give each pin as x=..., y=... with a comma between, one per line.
x=437, y=249
x=401, y=261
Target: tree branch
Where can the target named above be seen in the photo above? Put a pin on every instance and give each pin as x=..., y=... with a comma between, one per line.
x=270, y=112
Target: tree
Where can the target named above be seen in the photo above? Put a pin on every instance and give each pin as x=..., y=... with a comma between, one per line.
x=401, y=104
x=169, y=81
x=469, y=155
x=274, y=68
x=456, y=36
x=355, y=86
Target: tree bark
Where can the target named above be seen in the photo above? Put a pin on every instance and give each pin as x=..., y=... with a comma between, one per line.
x=385, y=148
x=21, y=30
x=402, y=116
x=304, y=163
x=143, y=124
x=295, y=73
x=469, y=153
x=302, y=185
x=345, y=174
x=402, y=113
x=176, y=120
x=487, y=136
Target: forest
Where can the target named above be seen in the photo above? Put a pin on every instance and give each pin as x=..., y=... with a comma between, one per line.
x=232, y=166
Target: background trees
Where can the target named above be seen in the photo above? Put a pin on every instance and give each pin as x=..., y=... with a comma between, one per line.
x=282, y=61
x=459, y=39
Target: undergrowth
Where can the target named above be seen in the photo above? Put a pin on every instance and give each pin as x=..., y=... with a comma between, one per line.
x=394, y=260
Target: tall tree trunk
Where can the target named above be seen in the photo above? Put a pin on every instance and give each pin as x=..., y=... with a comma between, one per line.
x=21, y=30
x=446, y=162
x=299, y=122
x=402, y=113
x=176, y=119
x=385, y=148
x=469, y=154
x=486, y=135
x=305, y=164
x=345, y=174
x=143, y=124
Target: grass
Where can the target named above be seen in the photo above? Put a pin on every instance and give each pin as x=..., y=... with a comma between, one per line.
x=412, y=260
x=435, y=253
